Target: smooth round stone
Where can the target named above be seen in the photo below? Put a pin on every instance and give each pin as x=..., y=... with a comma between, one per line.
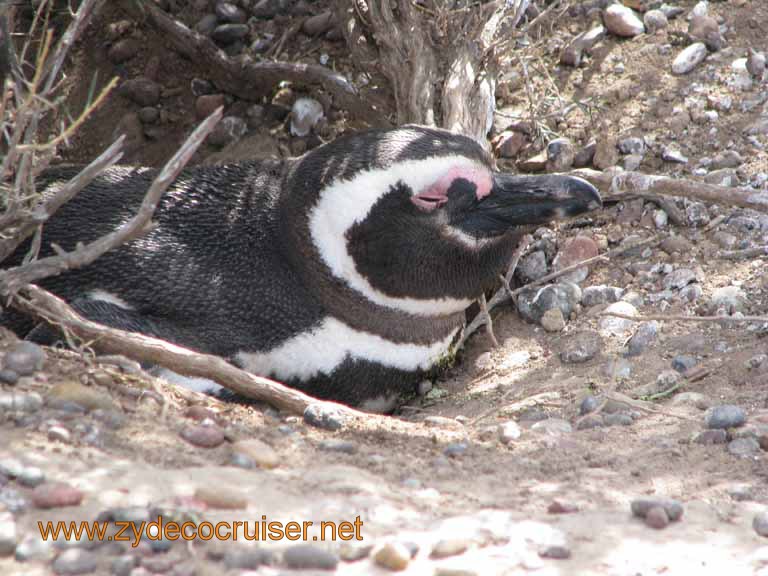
x=588, y=404
x=30, y=476
x=455, y=449
x=75, y=561
x=141, y=90
x=602, y=294
x=351, y=552
x=614, y=326
x=657, y=518
x=509, y=431
x=711, y=437
x=25, y=358
x=203, y=436
x=560, y=154
x=259, y=453
x=8, y=376
x=533, y=266
x=575, y=250
x=309, y=557
x=227, y=12
x=590, y=421
x=725, y=416
x=123, y=50
x=655, y=20
x=221, y=498
x=617, y=420
x=229, y=33
x=534, y=302
x=56, y=495
x=242, y=461
x=324, y=416
x=553, y=321
x=34, y=548
x=305, y=114
x=683, y=363
x=247, y=559
x=760, y=523
x=673, y=508
x=689, y=58
x=13, y=500
x=393, y=556
x=449, y=547
x=622, y=21
x=644, y=336
x=88, y=397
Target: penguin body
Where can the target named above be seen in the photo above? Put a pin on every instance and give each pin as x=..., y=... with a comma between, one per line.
x=344, y=273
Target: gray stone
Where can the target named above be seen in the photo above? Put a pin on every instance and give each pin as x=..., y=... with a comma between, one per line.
x=305, y=114
x=689, y=58
x=123, y=565
x=247, y=559
x=654, y=21
x=679, y=278
x=310, y=557
x=683, y=363
x=534, y=302
x=509, y=431
x=711, y=437
x=730, y=299
x=227, y=12
x=33, y=548
x=725, y=416
x=615, y=326
x=632, y=145
x=7, y=534
x=622, y=21
x=560, y=155
x=552, y=427
x=24, y=358
x=228, y=34
x=588, y=404
x=760, y=523
x=644, y=336
x=669, y=154
x=229, y=129
x=75, y=561
x=455, y=449
x=617, y=369
x=581, y=347
x=726, y=159
x=333, y=445
x=620, y=419
x=602, y=294
x=141, y=90
x=673, y=508
x=697, y=214
x=590, y=421
x=744, y=447
x=533, y=266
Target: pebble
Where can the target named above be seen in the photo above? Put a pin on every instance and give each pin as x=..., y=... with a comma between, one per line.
x=602, y=294
x=141, y=90
x=7, y=534
x=87, y=397
x=617, y=420
x=24, y=358
x=455, y=449
x=760, y=523
x=247, y=559
x=560, y=155
x=206, y=104
x=756, y=64
x=590, y=421
x=123, y=50
x=632, y=145
x=656, y=517
x=575, y=250
x=689, y=58
x=644, y=336
x=449, y=547
x=583, y=43
x=725, y=416
x=350, y=552
x=305, y=114
x=229, y=129
x=509, y=143
x=705, y=28
x=679, y=278
x=617, y=369
x=553, y=320
x=744, y=447
x=309, y=557
x=206, y=24
x=228, y=34
x=533, y=266
x=669, y=154
x=534, y=302
x=622, y=21
x=221, y=498
x=613, y=326
x=33, y=548
x=59, y=434
x=393, y=556
x=75, y=561
x=673, y=508
x=258, y=452
x=560, y=507
x=711, y=437
x=606, y=153
x=324, y=416
x=333, y=445
x=8, y=376
x=556, y=551
x=581, y=347
x=654, y=21
x=588, y=404
x=203, y=436
x=552, y=427
x=509, y=431
x=56, y=495
x=227, y=12
x=726, y=159
x=30, y=476
x=318, y=24
x=684, y=363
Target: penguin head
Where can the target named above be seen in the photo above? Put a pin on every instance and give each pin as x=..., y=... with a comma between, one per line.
x=417, y=219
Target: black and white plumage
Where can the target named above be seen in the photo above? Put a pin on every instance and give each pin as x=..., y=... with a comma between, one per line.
x=344, y=273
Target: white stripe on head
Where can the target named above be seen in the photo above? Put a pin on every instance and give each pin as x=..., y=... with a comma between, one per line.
x=344, y=203
x=323, y=349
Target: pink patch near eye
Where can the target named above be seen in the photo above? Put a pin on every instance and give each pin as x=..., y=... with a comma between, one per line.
x=437, y=194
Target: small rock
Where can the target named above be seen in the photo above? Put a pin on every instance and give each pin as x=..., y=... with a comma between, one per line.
x=725, y=240
x=206, y=104
x=697, y=214
x=8, y=376
x=575, y=250
x=455, y=449
x=632, y=145
x=654, y=21
x=201, y=87
x=560, y=507
x=309, y=557
x=689, y=58
x=585, y=155
x=726, y=159
x=247, y=559
x=141, y=90
x=744, y=447
x=229, y=129
x=260, y=453
x=581, y=347
x=123, y=50
x=583, y=43
x=305, y=114
x=228, y=34
x=30, y=476
x=509, y=143
x=641, y=506
x=644, y=336
x=350, y=552
x=552, y=427
x=449, y=547
x=557, y=552
x=33, y=548
x=393, y=556
x=606, y=153
x=614, y=326
x=318, y=24
x=622, y=21
x=590, y=421
x=324, y=416
x=221, y=498
x=725, y=416
x=711, y=437
x=206, y=24
x=732, y=299
x=75, y=561
x=621, y=419
x=59, y=434
x=602, y=294
x=617, y=369
x=203, y=436
x=679, y=278
x=534, y=302
x=657, y=518
x=227, y=12
x=533, y=266
x=589, y=404
x=509, y=431
x=560, y=155
x=706, y=29
x=553, y=320
x=333, y=445
x=683, y=363
x=760, y=523
x=756, y=64
x=56, y=495
x=24, y=358
x=7, y=534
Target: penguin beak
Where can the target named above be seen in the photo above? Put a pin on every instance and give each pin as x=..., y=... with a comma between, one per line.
x=517, y=200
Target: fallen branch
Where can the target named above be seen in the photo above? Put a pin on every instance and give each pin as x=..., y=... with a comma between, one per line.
x=637, y=183
x=247, y=79
x=34, y=300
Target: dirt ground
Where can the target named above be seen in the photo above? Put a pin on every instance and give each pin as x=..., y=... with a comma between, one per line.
x=439, y=470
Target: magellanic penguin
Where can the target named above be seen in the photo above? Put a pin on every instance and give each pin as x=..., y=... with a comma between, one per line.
x=344, y=273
